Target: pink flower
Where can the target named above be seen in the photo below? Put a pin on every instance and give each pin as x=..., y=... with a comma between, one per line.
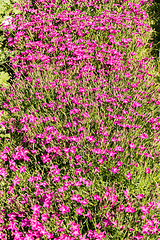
x=119, y=149
x=3, y=172
x=36, y=209
x=91, y=138
x=126, y=193
x=83, y=238
x=16, y=181
x=143, y=136
x=113, y=198
x=74, y=226
x=31, y=179
x=146, y=229
x=79, y=210
x=45, y=158
x=28, y=237
x=142, y=148
x=76, y=197
x=77, y=171
x=119, y=163
x=148, y=170
x=44, y=217
x=64, y=209
x=140, y=196
x=130, y=209
x=121, y=207
x=25, y=128
x=89, y=215
x=128, y=175
x=132, y=145
x=138, y=237
x=145, y=209
x=115, y=170
x=22, y=169
x=83, y=202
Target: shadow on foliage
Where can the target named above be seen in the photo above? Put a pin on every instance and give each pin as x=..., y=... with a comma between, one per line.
x=154, y=14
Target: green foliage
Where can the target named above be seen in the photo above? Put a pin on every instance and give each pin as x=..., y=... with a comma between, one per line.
x=23, y=102
x=3, y=78
x=6, y=9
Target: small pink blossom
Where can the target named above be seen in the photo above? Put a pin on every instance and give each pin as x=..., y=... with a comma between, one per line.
x=128, y=175
x=119, y=163
x=16, y=181
x=22, y=169
x=121, y=207
x=130, y=209
x=44, y=217
x=139, y=237
x=140, y=196
x=145, y=209
x=132, y=145
x=79, y=210
x=148, y=170
x=115, y=170
x=64, y=209
x=85, y=201
x=36, y=209
x=76, y=197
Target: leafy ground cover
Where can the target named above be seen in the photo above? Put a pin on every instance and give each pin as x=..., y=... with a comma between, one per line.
x=6, y=11
x=81, y=157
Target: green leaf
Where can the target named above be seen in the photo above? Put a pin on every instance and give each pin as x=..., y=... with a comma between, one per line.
x=16, y=11
x=3, y=78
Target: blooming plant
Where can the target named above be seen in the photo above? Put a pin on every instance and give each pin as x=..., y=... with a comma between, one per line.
x=82, y=157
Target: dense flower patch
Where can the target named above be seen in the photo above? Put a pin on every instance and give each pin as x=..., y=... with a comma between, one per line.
x=82, y=157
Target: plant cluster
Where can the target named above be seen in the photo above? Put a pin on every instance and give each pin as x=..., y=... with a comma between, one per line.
x=81, y=157
x=6, y=12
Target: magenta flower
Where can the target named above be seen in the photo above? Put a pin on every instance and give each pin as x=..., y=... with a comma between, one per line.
x=121, y=207
x=128, y=175
x=16, y=181
x=83, y=202
x=79, y=210
x=36, y=209
x=139, y=237
x=143, y=136
x=44, y=217
x=3, y=172
x=91, y=138
x=64, y=209
x=76, y=197
x=115, y=170
x=130, y=209
x=89, y=215
x=132, y=145
x=76, y=233
x=119, y=149
x=119, y=163
x=45, y=158
x=31, y=179
x=22, y=169
x=77, y=171
x=145, y=209
x=140, y=196
x=142, y=148
x=28, y=237
x=25, y=128
x=148, y=170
